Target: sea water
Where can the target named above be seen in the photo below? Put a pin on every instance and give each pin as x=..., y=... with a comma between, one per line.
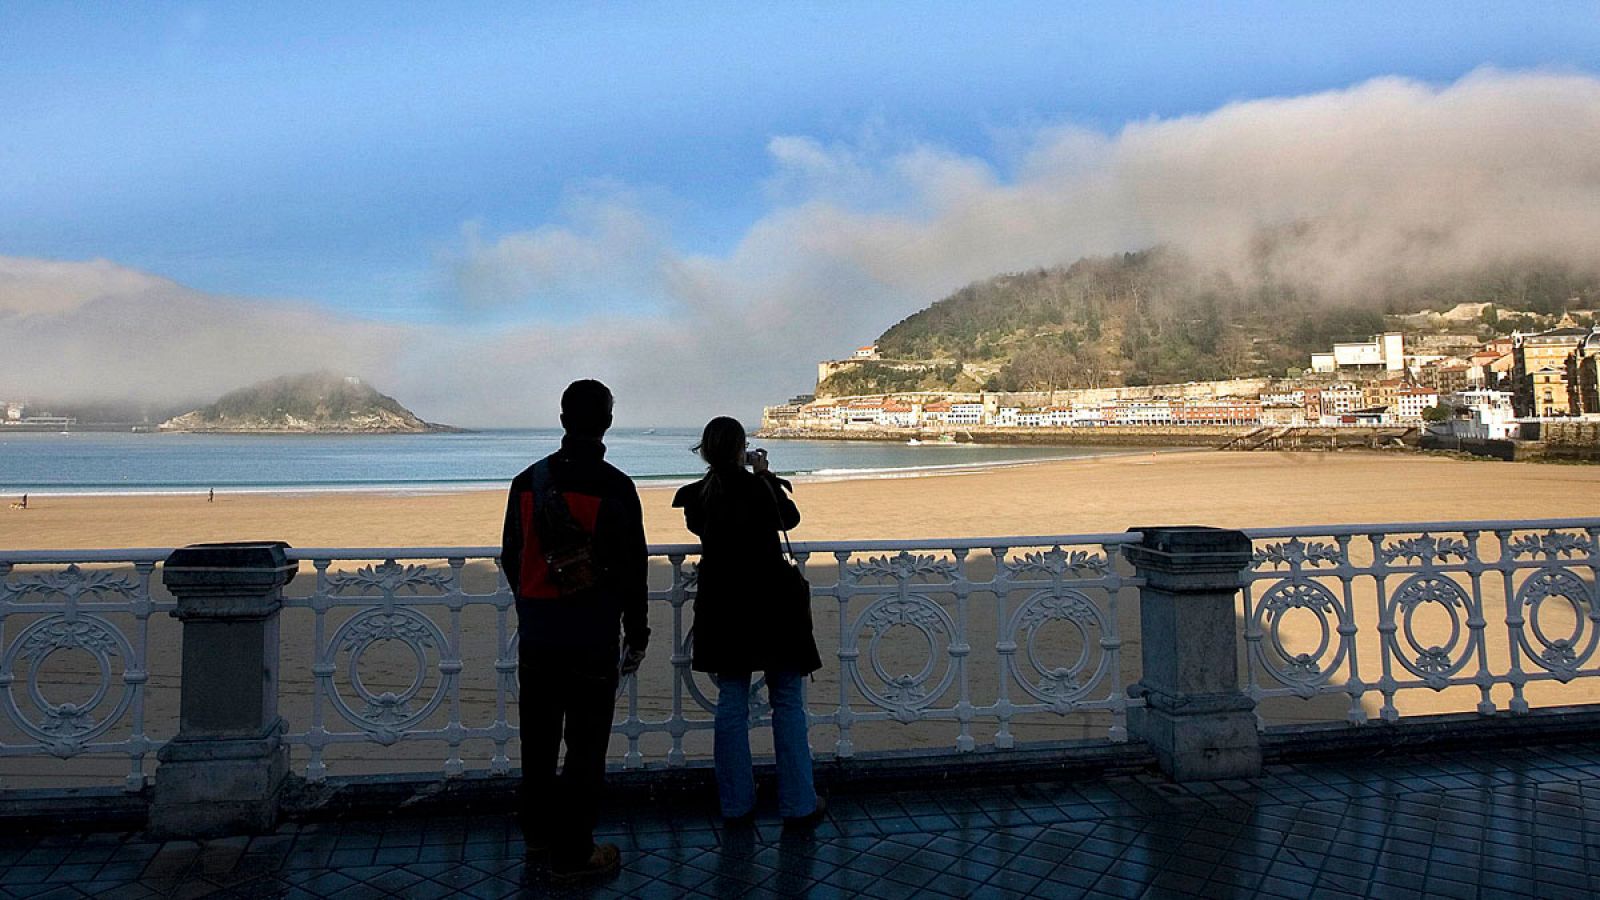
x=114, y=463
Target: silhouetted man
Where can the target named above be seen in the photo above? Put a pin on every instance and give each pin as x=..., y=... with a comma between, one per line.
x=574, y=554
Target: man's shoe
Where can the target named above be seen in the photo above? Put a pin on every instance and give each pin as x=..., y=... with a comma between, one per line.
x=603, y=860
x=810, y=820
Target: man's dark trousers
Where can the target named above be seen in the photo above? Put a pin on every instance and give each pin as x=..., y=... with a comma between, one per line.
x=562, y=696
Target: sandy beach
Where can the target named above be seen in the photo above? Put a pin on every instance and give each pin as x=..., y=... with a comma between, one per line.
x=1096, y=494
x=1107, y=494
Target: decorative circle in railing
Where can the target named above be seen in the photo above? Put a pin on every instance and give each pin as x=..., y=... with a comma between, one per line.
x=707, y=699
x=1559, y=656
x=64, y=728
x=1059, y=685
x=1303, y=672
x=1433, y=663
x=387, y=714
x=904, y=693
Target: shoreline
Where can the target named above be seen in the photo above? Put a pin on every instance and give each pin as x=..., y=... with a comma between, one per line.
x=1082, y=495
x=644, y=482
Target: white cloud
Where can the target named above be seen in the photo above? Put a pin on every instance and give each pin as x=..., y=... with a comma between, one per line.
x=1384, y=177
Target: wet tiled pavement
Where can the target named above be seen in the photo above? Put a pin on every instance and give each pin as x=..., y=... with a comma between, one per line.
x=1472, y=824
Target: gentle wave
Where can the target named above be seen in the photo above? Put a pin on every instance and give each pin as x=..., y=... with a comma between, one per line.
x=101, y=464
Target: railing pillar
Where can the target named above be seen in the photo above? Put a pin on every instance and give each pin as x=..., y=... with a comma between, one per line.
x=1197, y=721
x=225, y=769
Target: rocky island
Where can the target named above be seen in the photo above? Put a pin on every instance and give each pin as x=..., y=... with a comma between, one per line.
x=311, y=403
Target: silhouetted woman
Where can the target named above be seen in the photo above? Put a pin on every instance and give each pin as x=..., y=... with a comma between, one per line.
x=738, y=629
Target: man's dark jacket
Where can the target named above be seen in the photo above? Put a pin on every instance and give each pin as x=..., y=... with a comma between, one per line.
x=581, y=627
x=739, y=622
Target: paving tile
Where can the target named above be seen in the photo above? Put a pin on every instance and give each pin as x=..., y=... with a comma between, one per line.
x=1509, y=823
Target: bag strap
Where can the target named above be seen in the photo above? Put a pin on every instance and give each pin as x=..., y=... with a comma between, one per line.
x=552, y=510
x=784, y=531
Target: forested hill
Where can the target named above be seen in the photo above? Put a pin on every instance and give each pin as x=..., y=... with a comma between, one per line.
x=1157, y=316
x=316, y=402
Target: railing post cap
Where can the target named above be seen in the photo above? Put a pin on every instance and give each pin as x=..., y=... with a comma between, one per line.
x=1192, y=556
x=231, y=580
x=231, y=556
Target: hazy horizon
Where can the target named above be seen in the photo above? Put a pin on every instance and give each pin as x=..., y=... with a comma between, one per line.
x=470, y=211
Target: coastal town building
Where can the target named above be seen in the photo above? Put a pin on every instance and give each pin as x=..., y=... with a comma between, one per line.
x=1490, y=367
x=1384, y=353
x=1550, y=396
x=1326, y=404
x=897, y=414
x=965, y=414
x=1583, y=375
x=1490, y=414
x=1446, y=376
x=1410, y=402
x=1539, y=370
x=1372, y=383
x=1217, y=412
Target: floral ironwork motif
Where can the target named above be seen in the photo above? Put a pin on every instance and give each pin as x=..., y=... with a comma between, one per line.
x=904, y=694
x=1433, y=663
x=390, y=578
x=1559, y=656
x=65, y=728
x=904, y=566
x=1295, y=553
x=1551, y=545
x=74, y=583
x=1060, y=685
x=1426, y=549
x=1060, y=563
x=1302, y=672
x=386, y=714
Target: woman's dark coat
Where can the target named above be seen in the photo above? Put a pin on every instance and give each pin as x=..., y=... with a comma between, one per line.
x=739, y=625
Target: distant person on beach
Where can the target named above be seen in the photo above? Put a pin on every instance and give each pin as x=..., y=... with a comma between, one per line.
x=740, y=625
x=574, y=554
x=24, y=501
x=211, y=495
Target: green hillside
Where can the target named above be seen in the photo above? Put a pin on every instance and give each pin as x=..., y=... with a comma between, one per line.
x=1157, y=316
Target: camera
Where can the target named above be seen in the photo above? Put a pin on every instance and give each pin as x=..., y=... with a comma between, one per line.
x=751, y=456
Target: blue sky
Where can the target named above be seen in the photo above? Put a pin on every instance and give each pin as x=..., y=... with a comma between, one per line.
x=335, y=152
x=702, y=200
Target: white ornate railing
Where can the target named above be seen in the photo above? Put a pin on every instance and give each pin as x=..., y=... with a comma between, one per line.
x=902, y=626
x=397, y=658
x=55, y=606
x=1383, y=614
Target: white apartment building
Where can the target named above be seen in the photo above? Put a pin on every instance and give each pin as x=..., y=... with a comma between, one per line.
x=1338, y=400
x=895, y=414
x=862, y=413
x=1140, y=412
x=1493, y=417
x=1409, y=402
x=1385, y=352
x=965, y=414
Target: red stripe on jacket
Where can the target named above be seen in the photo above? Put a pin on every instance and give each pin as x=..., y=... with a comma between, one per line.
x=535, y=572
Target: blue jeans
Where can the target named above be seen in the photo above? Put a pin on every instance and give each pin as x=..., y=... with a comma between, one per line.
x=736, y=783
